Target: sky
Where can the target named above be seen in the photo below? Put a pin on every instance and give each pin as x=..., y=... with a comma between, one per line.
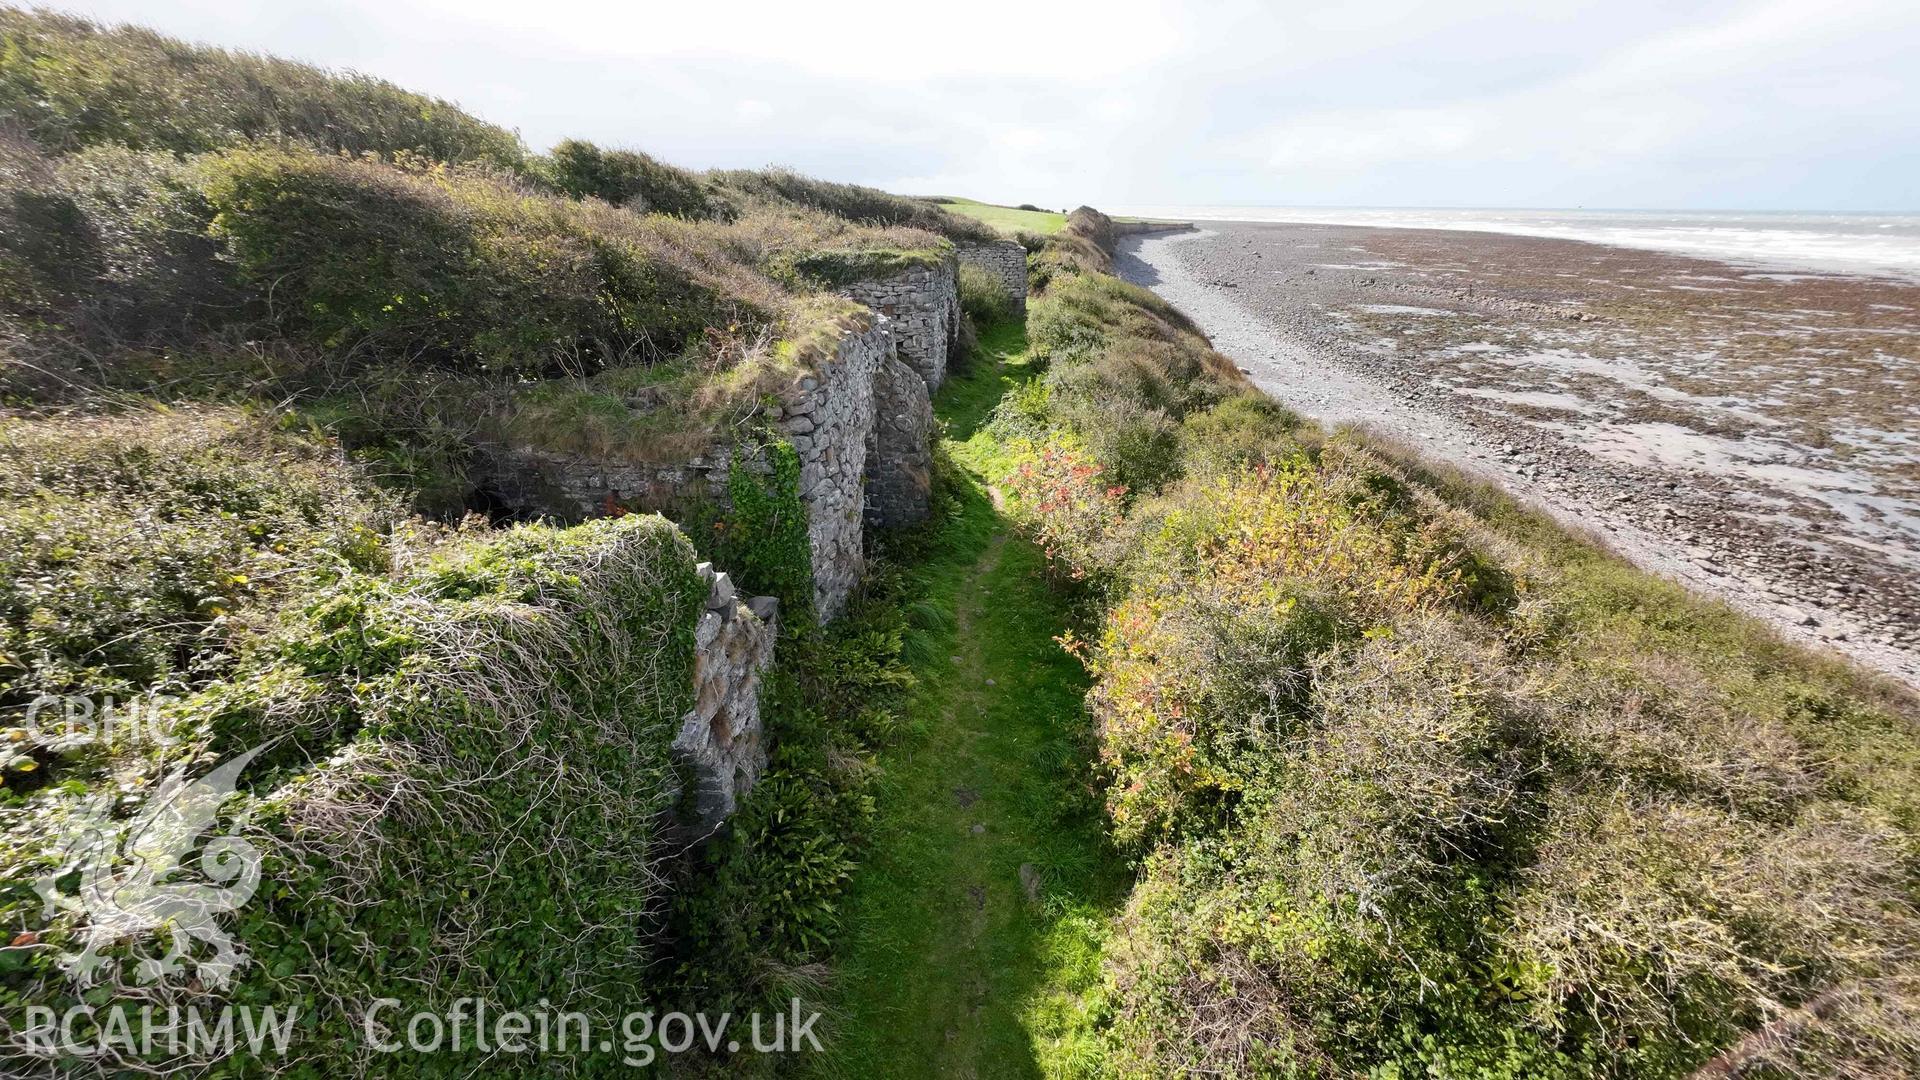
x=1682, y=104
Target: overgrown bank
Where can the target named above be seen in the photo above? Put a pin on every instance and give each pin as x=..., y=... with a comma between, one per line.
x=263, y=331
x=1415, y=781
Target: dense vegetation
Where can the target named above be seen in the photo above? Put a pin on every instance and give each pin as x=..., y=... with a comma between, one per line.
x=217, y=273
x=70, y=83
x=1419, y=784
x=410, y=689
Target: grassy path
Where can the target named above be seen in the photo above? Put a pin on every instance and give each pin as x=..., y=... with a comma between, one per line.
x=974, y=922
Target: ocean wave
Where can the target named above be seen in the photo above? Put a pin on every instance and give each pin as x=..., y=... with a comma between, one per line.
x=1886, y=245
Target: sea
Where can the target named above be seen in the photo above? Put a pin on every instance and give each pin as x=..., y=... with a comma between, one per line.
x=1879, y=245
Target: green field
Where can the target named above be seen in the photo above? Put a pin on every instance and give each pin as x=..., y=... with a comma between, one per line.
x=1007, y=218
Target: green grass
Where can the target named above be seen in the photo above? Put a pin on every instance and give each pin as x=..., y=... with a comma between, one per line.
x=1007, y=218
x=948, y=968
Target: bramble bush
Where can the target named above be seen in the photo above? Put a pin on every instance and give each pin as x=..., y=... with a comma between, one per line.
x=1072, y=509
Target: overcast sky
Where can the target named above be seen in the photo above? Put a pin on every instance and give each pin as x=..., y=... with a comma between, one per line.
x=1714, y=104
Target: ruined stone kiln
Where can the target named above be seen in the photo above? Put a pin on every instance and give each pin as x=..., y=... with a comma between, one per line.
x=860, y=420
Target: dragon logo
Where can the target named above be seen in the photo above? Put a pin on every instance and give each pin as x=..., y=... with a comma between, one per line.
x=127, y=873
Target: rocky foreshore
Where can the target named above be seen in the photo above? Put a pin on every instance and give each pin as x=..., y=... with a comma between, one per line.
x=1747, y=431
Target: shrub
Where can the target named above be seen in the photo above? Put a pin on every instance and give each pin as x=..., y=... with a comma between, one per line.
x=1138, y=444
x=860, y=204
x=104, y=260
x=489, y=736
x=1074, y=510
x=143, y=553
x=74, y=83
x=159, y=278
x=460, y=269
x=1194, y=691
x=1123, y=370
x=1652, y=920
x=1198, y=669
x=49, y=251
x=1244, y=430
x=1427, y=874
x=1422, y=786
x=629, y=179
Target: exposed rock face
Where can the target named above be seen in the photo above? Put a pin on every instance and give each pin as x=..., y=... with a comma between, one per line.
x=900, y=458
x=1004, y=259
x=923, y=305
x=720, y=751
x=829, y=419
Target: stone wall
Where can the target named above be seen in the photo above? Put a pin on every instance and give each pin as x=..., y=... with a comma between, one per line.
x=900, y=455
x=828, y=416
x=721, y=750
x=829, y=419
x=532, y=481
x=923, y=305
x=1004, y=259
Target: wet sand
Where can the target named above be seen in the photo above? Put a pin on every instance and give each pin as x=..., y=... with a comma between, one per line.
x=1750, y=431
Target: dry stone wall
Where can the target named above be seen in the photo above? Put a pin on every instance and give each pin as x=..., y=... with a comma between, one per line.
x=721, y=750
x=861, y=425
x=1004, y=259
x=900, y=456
x=829, y=419
x=922, y=304
x=529, y=480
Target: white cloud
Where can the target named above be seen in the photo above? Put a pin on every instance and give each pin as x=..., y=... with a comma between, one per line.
x=881, y=39
x=1347, y=139
x=1478, y=102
